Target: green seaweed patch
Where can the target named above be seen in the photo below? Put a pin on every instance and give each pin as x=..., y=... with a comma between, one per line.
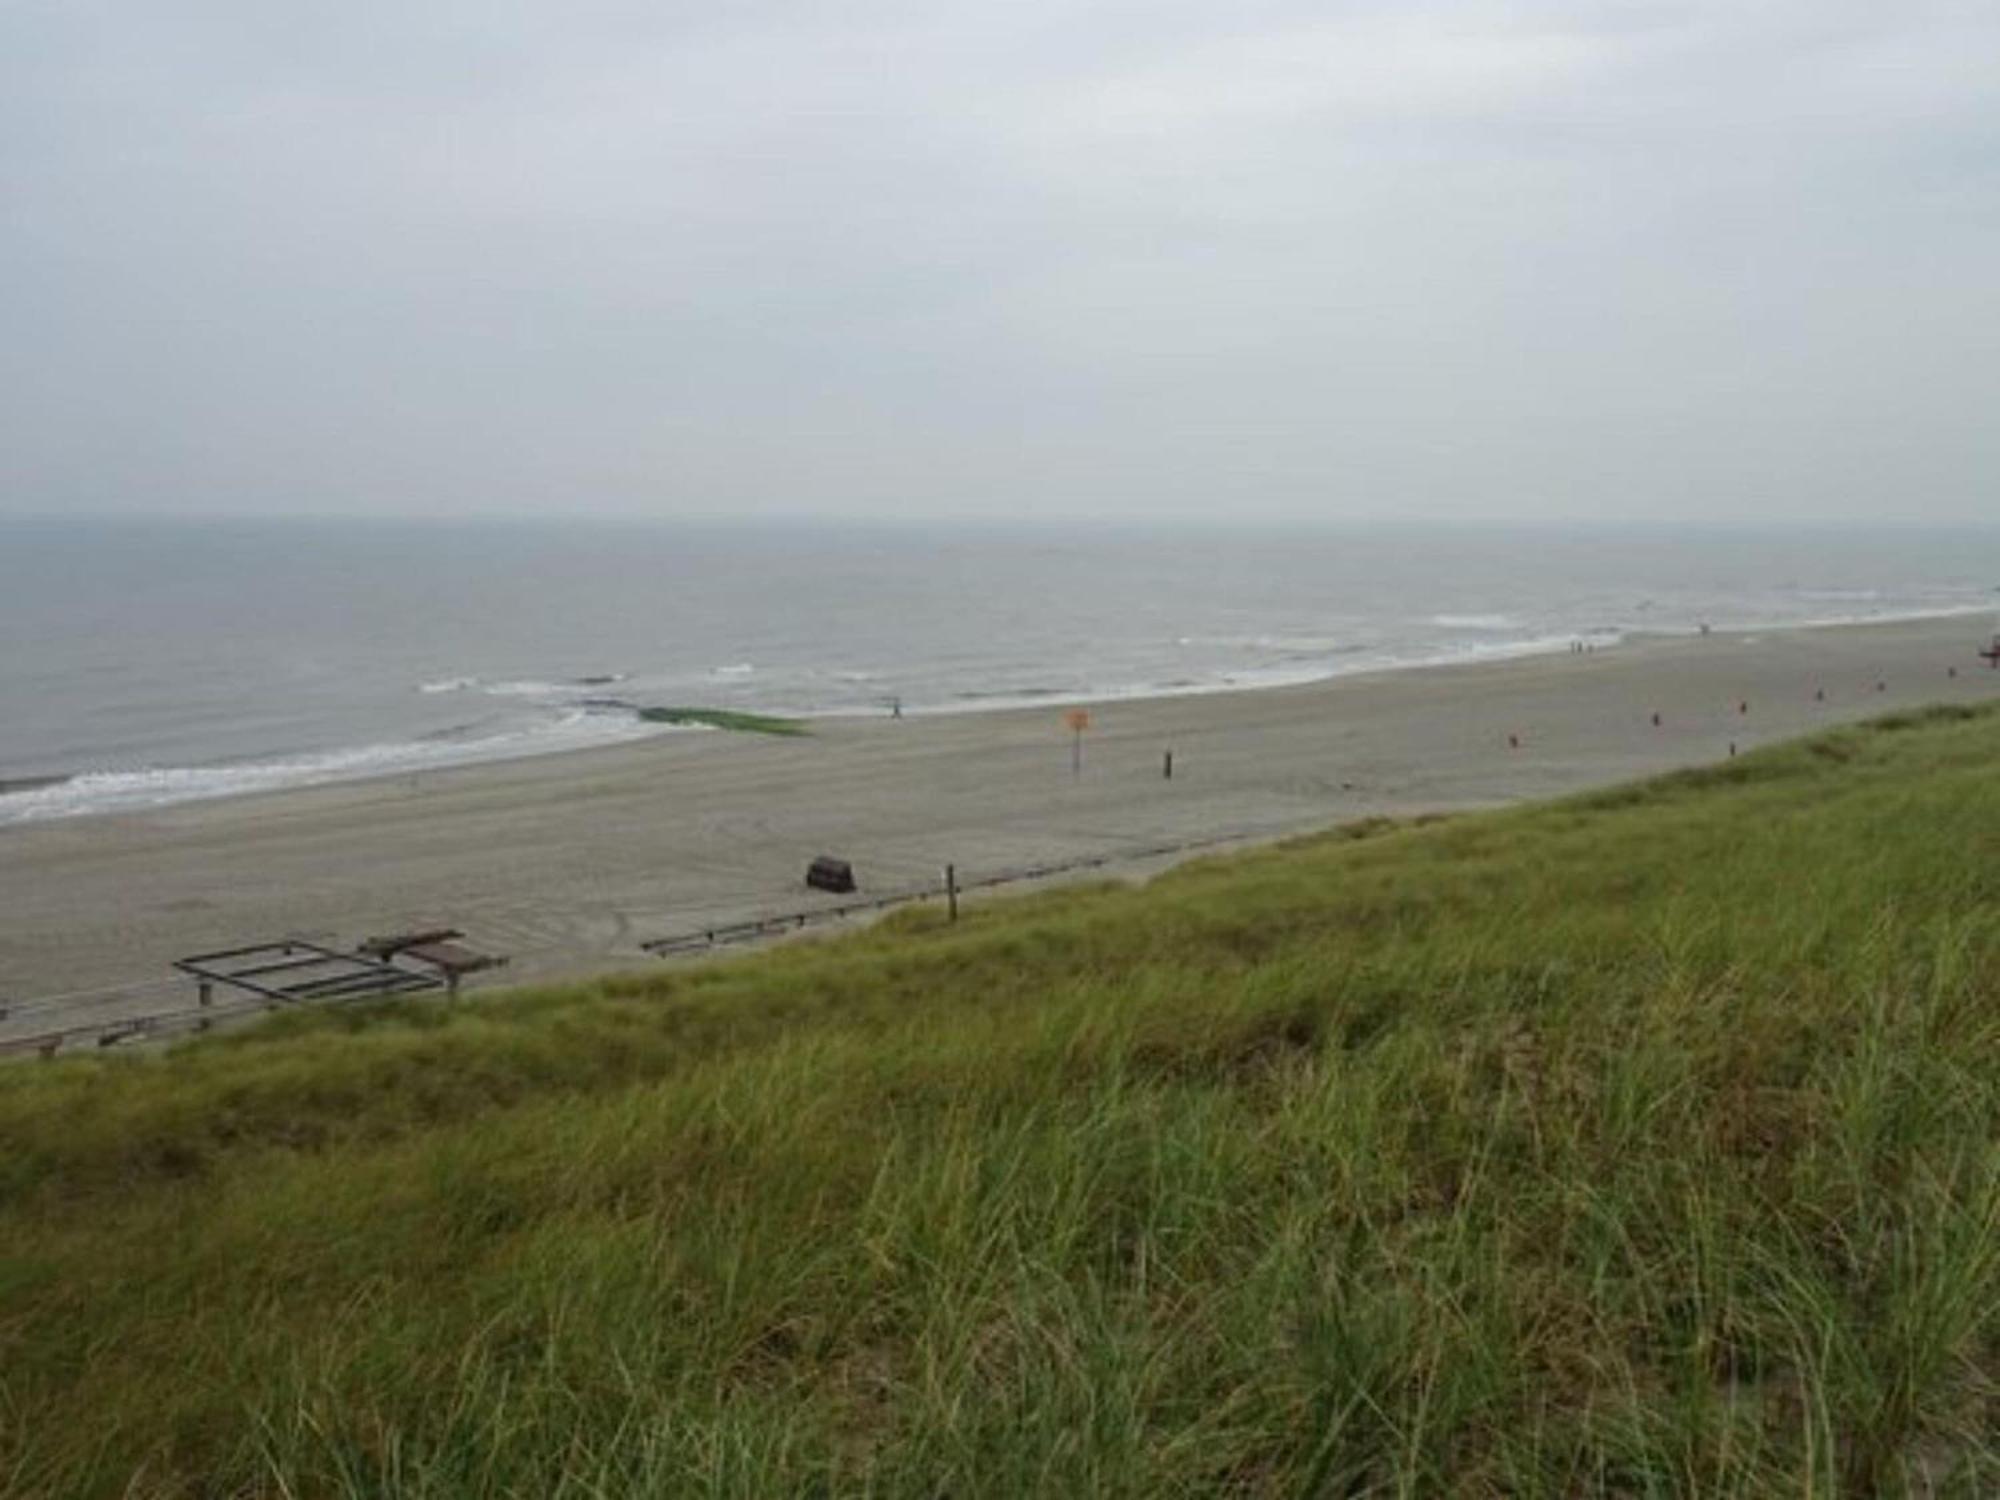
x=723, y=718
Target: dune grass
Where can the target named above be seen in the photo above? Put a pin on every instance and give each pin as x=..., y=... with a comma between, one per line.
x=725, y=718
x=1646, y=1143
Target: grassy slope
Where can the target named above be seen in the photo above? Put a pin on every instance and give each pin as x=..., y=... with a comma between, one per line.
x=1639, y=1144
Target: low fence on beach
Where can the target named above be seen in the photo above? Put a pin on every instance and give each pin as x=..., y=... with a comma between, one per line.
x=153, y=1009
x=162, y=1009
x=754, y=929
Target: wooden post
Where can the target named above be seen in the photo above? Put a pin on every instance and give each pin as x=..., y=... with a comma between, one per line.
x=951, y=891
x=1078, y=720
x=1167, y=767
x=204, y=997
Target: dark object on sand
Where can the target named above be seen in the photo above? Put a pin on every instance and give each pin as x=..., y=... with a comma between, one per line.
x=1992, y=653
x=434, y=948
x=829, y=874
x=389, y=947
x=453, y=960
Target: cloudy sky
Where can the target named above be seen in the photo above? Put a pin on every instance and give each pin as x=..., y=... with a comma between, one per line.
x=1589, y=258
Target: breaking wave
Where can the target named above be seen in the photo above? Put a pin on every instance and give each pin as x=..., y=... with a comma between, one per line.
x=130, y=791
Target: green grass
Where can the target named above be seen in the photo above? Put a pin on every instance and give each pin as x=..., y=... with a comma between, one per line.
x=1646, y=1143
x=724, y=718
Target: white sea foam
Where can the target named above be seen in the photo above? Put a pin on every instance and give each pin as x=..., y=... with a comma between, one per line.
x=528, y=688
x=1164, y=617
x=1287, y=645
x=129, y=791
x=1352, y=662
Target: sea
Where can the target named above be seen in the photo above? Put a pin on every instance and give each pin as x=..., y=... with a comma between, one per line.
x=144, y=663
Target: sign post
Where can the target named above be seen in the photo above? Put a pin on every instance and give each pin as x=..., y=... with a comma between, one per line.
x=1078, y=720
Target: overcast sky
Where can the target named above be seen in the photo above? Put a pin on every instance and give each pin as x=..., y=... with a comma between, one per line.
x=1728, y=260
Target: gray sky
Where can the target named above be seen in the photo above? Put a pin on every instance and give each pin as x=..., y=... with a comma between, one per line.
x=1728, y=260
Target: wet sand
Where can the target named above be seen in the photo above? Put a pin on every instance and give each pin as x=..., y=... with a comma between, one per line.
x=568, y=862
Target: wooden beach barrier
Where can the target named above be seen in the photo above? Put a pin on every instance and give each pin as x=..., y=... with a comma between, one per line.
x=949, y=887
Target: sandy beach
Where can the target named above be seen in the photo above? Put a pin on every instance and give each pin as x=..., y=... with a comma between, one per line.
x=567, y=863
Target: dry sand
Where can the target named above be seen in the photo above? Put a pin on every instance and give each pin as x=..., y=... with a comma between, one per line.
x=568, y=862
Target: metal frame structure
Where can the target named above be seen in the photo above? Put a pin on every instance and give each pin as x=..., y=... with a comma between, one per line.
x=256, y=978
x=339, y=976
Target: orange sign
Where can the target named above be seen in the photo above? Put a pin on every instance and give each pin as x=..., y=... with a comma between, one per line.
x=1078, y=719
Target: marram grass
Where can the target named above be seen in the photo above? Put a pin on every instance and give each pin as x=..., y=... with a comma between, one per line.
x=1646, y=1143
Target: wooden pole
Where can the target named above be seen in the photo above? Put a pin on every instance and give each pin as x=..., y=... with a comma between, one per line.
x=1078, y=720
x=1167, y=767
x=951, y=890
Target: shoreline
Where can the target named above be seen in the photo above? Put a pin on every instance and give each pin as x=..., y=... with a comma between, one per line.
x=1606, y=639
x=568, y=862
x=19, y=785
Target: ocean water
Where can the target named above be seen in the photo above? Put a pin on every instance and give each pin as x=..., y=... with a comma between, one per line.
x=149, y=662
